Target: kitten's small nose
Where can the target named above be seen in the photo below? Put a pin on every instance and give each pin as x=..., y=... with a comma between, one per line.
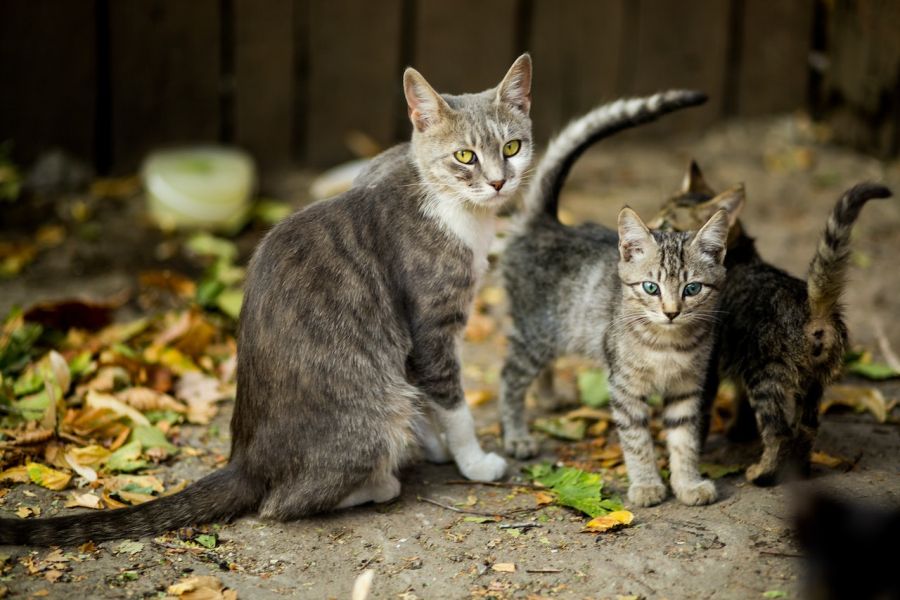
x=497, y=185
x=672, y=315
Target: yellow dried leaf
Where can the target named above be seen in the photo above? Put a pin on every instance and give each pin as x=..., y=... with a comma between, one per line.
x=479, y=397
x=618, y=518
x=135, y=497
x=46, y=477
x=479, y=327
x=857, y=397
x=89, y=456
x=544, y=498
x=826, y=460
x=492, y=295
x=16, y=475
x=145, y=399
x=25, y=511
x=504, y=567
x=204, y=587
x=111, y=502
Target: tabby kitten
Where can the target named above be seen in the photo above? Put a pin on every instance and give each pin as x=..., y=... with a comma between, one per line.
x=641, y=301
x=780, y=339
x=347, y=355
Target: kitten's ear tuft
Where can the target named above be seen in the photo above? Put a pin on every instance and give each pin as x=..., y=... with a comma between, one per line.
x=731, y=201
x=426, y=107
x=634, y=237
x=515, y=89
x=712, y=239
x=694, y=183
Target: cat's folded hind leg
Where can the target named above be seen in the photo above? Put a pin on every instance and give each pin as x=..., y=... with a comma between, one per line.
x=431, y=440
x=769, y=395
x=382, y=488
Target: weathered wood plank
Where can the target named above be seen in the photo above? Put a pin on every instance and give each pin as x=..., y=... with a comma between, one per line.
x=576, y=46
x=48, y=75
x=354, y=75
x=165, y=71
x=263, y=75
x=465, y=45
x=773, y=74
x=682, y=43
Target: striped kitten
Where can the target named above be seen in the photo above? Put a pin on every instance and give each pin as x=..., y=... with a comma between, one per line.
x=781, y=339
x=347, y=352
x=641, y=301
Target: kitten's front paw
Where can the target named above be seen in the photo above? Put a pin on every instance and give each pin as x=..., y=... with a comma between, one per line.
x=646, y=494
x=520, y=446
x=697, y=494
x=489, y=467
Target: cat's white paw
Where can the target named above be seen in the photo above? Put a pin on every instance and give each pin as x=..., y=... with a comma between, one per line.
x=520, y=446
x=646, y=494
x=488, y=467
x=697, y=493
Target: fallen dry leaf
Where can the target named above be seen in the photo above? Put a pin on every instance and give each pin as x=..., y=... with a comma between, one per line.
x=83, y=500
x=543, y=498
x=201, y=393
x=859, y=398
x=479, y=327
x=97, y=400
x=201, y=588
x=145, y=399
x=504, y=567
x=615, y=519
x=46, y=477
x=479, y=397
x=826, y=460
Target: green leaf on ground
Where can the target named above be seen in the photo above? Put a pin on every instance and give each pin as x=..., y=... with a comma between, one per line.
x=775, y=594
x=560, y=427
x=151, y=437
x=872, y=370
x=127, y=459
x=575, y=488
x=206, y=540
x=714, y=471
x=593, y=388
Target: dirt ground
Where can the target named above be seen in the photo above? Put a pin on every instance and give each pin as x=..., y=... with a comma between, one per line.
x=740, y=547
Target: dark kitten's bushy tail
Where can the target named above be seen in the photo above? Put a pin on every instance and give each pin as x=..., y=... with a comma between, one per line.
x=828, y=270
x=567, y=146
x=220, y=495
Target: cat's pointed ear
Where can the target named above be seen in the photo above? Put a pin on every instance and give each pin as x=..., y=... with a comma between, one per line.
x=712, y=239
x=634, y=237
x=515, y=89
x=731, y=201
x=426, y=107
x=694, y=183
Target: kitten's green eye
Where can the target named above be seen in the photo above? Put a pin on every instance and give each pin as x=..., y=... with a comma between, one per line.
x=466, y=157
x=511, y=148
x=692, y=289
x=651, y=288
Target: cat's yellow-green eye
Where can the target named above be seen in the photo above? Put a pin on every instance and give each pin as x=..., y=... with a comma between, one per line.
x=511, y=148
x=466, y=157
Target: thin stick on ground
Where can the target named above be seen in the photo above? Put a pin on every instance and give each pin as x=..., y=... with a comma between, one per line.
x=467, y=511
x=503, y=484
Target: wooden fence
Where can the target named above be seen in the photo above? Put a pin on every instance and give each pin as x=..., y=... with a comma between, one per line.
x=289, y=79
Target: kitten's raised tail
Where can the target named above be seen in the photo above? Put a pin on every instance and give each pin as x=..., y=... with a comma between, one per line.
x=828, y=270
x=567, y=146
x=220, y=495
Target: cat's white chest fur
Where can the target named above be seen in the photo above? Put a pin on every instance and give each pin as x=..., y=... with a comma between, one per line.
x=474, y=228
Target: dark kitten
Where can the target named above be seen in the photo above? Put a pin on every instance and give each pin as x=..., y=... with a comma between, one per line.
x=780, y=339
x=347, y=359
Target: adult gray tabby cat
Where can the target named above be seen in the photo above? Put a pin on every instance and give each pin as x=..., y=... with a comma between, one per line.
x=643, y=302
x=347, y=359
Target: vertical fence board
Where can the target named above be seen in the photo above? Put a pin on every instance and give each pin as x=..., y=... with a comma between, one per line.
x=354, y=76
x=48, y=74
x=165, y=70
x=773, y=73
x=682, y=43
x=264, y=70
x=465, y=45
x=576, y=46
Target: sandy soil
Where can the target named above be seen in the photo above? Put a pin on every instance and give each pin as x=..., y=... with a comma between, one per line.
x=739, y=547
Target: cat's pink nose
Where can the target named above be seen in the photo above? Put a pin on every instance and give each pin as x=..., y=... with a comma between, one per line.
x=497, y=185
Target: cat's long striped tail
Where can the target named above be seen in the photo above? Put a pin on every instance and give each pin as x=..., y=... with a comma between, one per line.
x=828, y=270
x=603, y=121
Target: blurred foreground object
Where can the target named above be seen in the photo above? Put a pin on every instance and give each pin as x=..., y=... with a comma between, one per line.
x=206, y=187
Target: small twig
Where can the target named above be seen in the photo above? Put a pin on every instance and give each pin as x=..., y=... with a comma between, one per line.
x=543, y=570
x=520, y=525
x=467, y=511
x=785, y=554
x=503, y=484
x=369, y=561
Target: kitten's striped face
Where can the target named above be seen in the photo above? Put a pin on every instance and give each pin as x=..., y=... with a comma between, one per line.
x=474, y=148
x=671, y=278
